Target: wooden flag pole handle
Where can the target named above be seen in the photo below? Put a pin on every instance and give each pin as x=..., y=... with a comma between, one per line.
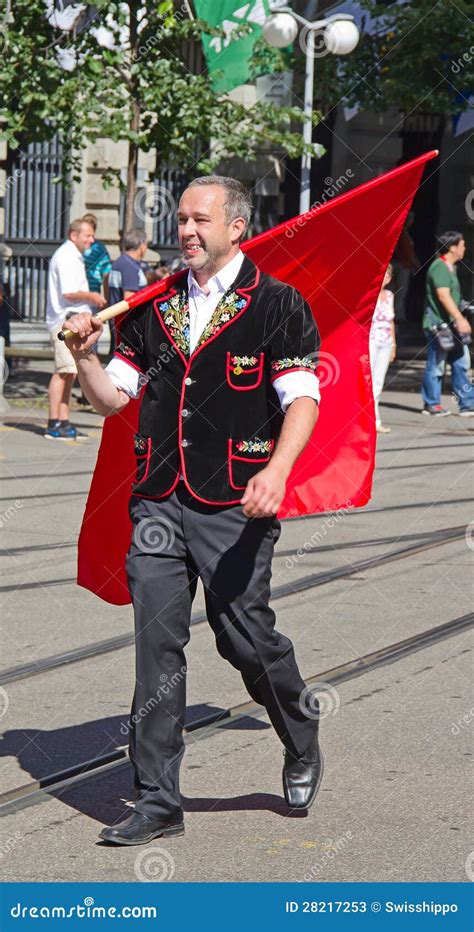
x=113, y=311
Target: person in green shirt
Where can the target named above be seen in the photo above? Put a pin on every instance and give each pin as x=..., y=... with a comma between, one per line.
x=443, y=306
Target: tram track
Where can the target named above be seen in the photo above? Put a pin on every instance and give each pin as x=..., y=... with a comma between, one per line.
x=304, y=583
x=41, y=790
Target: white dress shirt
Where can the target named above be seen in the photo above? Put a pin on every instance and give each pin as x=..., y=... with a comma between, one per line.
x=66, y=275
x=202, y=304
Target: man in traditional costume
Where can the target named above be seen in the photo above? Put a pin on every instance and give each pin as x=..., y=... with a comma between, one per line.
x=228, y=356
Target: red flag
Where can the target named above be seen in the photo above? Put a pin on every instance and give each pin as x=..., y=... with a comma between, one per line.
x=335, y=255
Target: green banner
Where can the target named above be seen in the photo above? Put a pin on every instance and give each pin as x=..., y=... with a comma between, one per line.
x=227, y=54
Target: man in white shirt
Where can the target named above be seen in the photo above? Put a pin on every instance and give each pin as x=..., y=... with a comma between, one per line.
x=68, y=293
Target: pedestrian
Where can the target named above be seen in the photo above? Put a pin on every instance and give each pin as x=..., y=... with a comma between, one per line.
x=4, y=315
x=447, y=331
x=405, y=263
x=68, y=294
x=229, y=356
x=97, y=260
x=128, y=273
x=5, y=331
x=382, y=344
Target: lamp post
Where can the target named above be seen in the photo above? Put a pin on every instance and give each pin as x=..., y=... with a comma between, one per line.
x=340, y=36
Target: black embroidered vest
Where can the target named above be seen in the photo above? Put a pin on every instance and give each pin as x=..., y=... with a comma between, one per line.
x=214, y=414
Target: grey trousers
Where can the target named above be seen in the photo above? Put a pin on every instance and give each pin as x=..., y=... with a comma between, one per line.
x=174, y=542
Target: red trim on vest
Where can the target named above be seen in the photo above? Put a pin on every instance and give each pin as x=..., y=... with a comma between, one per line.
x=244, y=388
x=244, y=459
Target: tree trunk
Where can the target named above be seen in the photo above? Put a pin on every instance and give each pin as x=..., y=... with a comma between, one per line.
x=132, y=168
x=132, y=164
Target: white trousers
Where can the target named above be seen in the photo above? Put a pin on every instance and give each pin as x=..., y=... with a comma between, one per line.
x=379, y=363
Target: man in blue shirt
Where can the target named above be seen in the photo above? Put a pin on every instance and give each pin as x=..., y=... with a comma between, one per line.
x=128, y=272
x=96, y=258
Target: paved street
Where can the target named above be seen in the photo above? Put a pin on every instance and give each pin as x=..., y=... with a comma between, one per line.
x=396, y=740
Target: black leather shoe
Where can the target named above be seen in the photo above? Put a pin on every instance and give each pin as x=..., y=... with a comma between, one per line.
x=302, y=776
x=139, y=829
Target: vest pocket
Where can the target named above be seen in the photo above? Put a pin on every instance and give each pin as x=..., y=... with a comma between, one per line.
x=142, y=446
x=245, y=458
x=244, y=372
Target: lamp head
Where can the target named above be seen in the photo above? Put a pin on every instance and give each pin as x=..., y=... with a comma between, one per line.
x=280, y=30
x=341, y=36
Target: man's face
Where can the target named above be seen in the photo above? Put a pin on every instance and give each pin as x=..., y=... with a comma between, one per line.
x=205, y=238
x=459, y=249
x=84, y=238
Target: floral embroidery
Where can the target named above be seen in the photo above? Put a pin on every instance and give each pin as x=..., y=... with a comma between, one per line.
x=175, y=314
x=125, y=350
x=304, y=362
x=255, y=446
x=228, y=307
x=244, y=360
x=141, y=445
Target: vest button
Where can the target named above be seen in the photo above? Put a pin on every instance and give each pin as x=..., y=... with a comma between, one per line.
x=185, y=443
x=185, y=412
x=188, y=380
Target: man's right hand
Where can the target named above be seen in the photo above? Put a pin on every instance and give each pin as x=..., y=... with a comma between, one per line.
x=97, y=300
x=462, y=325
x=86, y=329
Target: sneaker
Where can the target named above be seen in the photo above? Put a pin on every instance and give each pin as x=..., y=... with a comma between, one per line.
x=435, y=411
x=68, y=432
x=467, y=412
x=53, y=433
x=381, y=429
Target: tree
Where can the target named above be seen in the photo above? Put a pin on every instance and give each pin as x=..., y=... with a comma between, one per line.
x=119, y=73
x=411, y=56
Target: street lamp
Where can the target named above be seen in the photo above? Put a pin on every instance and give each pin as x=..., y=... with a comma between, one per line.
x=338, y=35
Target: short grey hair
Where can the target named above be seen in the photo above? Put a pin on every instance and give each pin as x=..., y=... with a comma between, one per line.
x=238, y=202
x=133, y=239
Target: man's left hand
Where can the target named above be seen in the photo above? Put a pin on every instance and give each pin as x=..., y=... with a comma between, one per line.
x=264, y=493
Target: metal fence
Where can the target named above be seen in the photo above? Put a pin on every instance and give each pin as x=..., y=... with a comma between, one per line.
x=36, y=221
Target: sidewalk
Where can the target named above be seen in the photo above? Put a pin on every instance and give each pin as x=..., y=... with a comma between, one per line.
x=393, y=802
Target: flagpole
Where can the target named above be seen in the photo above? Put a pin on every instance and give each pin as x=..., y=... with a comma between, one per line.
x=305, y=189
